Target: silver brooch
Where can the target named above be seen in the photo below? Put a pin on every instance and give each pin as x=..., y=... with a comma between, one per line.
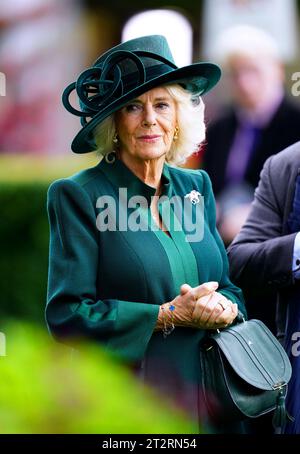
x=193, y=196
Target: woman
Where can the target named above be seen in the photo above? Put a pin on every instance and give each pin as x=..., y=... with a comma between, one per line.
x=136, y=262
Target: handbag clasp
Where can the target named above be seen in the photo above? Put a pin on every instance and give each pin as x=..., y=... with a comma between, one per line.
x=279, y=385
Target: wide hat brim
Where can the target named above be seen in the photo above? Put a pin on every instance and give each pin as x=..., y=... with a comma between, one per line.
x=125, y=72
x=200, y=77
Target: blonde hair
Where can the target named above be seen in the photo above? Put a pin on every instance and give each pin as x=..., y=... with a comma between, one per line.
x=190, y=121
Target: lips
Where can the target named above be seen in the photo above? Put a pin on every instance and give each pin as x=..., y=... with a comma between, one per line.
x=149, y=137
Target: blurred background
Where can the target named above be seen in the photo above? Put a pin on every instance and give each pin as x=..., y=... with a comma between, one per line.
x=44, y=45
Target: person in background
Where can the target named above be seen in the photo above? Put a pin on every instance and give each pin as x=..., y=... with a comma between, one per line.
x=141, y=282
x=259, y=122
x=266, y=254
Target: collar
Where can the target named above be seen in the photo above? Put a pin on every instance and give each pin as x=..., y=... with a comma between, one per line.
x=121, y=176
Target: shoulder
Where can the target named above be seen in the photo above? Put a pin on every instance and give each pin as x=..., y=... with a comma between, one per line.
x=74, y=193
x=78, y=183
x=284, y=163
x=196, y=179
x=277, y=178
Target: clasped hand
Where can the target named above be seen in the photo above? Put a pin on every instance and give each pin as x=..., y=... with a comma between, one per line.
x=203, y=307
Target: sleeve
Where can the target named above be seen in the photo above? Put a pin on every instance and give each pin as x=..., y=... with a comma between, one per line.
x=73, y=310
x=226, y=287
x=260, y=256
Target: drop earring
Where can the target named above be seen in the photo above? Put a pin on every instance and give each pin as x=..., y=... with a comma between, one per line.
x=176, y=133
x=110, y=157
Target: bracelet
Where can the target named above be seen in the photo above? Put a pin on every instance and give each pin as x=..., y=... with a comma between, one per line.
x=168, y=329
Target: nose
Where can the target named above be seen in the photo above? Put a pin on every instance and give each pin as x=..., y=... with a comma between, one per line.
x=149, y=118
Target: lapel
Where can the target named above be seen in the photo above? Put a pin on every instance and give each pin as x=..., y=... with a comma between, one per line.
x=292, y=220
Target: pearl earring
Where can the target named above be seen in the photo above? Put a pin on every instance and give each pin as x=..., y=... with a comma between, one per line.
x=115, y=138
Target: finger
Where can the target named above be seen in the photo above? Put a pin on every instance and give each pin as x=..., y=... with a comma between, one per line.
x=217, y=311
x=199, y=307
x=185, y=288
x=221, y=323
x=221, y=305
x=235, y=310
x=208, y=308
x=226, y=317
x=205, y=289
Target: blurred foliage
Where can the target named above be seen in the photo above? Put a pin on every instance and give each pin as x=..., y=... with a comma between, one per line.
x=31, y=168
x=23, y=245
x=24, y=232
x=45, y=389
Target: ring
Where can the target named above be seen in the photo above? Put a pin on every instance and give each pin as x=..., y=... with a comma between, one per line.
x=223, y=305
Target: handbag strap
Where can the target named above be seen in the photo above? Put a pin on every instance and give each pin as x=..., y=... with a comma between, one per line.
x=281, y=416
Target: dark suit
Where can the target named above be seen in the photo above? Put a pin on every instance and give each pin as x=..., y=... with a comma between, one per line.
x=261, y=255
x=282, y=131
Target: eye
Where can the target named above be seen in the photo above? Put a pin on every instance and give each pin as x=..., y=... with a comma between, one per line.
x=162, y=105
x=133, y=107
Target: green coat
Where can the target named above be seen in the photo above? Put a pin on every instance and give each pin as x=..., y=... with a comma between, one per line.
x=108, y=285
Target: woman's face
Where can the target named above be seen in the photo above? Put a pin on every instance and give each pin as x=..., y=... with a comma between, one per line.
x=146, y=125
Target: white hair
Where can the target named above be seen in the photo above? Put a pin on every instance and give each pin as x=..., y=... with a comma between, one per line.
x=190, y=121
x=244, y=40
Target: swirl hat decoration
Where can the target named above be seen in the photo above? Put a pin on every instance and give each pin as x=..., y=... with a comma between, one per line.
x=125, y=72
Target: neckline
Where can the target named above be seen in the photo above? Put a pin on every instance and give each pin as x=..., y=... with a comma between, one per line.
x=122, y=177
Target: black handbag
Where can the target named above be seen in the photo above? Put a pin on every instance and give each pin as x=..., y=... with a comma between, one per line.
x=245, y=373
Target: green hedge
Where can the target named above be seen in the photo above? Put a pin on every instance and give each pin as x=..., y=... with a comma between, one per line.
x=24, y=250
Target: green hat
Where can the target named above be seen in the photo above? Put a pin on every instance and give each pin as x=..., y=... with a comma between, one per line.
x=125, y=72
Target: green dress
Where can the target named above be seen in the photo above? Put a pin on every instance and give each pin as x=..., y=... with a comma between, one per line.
x=106, y=284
